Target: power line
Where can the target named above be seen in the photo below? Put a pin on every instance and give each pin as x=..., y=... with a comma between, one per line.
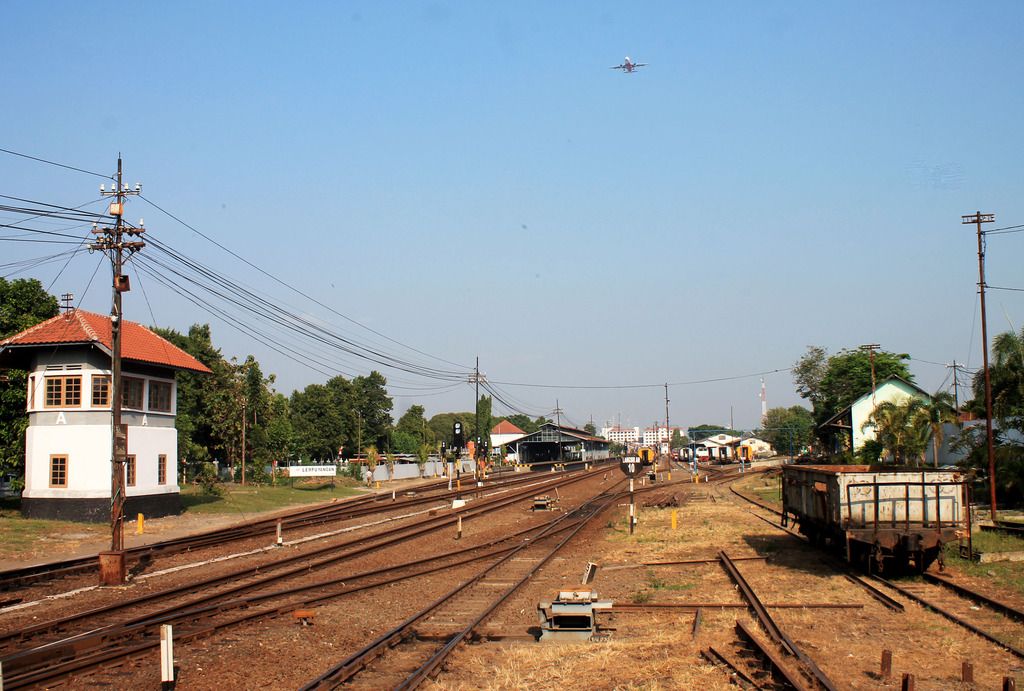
x=255, y=305
x=296, y=290
x=690, y=382
x=1017, y=290
x=1004, y=231
x=59, y=165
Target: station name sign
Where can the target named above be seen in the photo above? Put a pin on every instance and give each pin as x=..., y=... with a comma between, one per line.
x=630, y=465
x=312, y=471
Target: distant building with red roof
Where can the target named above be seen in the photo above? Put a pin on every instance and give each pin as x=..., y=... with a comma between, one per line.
x=503, y=433
x=68, y=440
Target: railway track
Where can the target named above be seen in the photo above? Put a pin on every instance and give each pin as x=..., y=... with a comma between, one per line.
x=816, y=677
x=97, y=637
x=994, y=620
x=991, y=619
x=413, y=651
x=306, y=517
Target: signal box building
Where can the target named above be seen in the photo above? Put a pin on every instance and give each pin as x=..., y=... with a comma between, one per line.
x=68, y=446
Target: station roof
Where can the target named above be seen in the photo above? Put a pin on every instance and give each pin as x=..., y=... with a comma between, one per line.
x=549, y=430
x=79, y=327
x=506, y=427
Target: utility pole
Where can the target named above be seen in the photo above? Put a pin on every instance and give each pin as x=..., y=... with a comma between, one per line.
x=978, y=218
x=111, y=240
x=243, y=439
x=956, y=389
x=668, y=430
x=871, y=348
x=764, y=402
x=558, y=417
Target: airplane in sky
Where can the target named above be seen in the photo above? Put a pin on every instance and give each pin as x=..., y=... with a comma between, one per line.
x=628, y=65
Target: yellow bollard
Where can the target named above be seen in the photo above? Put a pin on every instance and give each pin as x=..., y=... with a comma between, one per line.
x=140, y=524
x=675, y=516
x=378, y=484
x=670, y=476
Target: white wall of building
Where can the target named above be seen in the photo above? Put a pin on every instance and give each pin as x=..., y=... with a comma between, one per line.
x=82, y=434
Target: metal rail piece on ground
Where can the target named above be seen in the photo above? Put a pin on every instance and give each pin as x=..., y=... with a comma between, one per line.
x=769, y=624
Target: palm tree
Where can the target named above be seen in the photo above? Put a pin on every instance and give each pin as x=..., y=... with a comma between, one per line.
x=372, y=461
x=936, y=413
x=898, y=427
x=1007, y=374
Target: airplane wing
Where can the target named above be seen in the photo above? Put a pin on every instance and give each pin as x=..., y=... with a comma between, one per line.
x=618, y=67
x=639, y=64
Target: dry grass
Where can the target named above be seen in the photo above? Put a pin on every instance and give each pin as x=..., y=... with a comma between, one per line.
x=668, y=660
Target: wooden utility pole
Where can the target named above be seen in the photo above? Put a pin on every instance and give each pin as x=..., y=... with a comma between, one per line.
x=977, y=219
x=871, y=348
x=111, y=240
x=956, y=389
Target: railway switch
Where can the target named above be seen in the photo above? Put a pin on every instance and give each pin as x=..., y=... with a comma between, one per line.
x=544, y=503
x=570, y=616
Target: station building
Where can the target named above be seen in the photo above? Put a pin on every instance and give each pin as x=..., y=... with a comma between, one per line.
x=553, y=444
x=503, y=433
x=68, y=446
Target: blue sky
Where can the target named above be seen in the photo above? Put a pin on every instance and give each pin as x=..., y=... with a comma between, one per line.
x=471, y=179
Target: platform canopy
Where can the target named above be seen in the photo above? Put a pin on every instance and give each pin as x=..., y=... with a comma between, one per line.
x=553, y=444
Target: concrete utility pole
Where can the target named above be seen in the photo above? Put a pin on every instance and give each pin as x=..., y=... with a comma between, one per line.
x=871, y=348
x=111, y=240
x=668, y=430
x=978, y=218
x=244, y=402
x=558, y=431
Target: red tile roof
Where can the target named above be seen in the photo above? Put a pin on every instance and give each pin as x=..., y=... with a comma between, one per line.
x=138, y=343
x=506, y=427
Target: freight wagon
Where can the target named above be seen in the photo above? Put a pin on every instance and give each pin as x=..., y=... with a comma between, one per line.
x=881, y=516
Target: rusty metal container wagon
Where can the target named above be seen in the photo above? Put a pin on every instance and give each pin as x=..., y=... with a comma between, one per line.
x=883, y=516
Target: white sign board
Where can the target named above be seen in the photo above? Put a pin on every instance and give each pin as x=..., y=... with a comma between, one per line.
x=312, y=471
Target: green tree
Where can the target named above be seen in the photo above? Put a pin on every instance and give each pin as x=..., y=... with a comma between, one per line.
x=832, y=383
x=483, y=414
x=423, y=456
x=23, y=303
x=937, y=412
x=590, y=429
x=441, y=424
x=370, y=399
x=318, y=422
x=372, y=461
x=523, y=422
x=1006, y=372
x=411, y=431
x=678, y=440
x=901, y=428
x=788, y=429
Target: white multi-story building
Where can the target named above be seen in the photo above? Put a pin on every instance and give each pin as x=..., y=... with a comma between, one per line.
x=621, y=435
x=656, y=435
